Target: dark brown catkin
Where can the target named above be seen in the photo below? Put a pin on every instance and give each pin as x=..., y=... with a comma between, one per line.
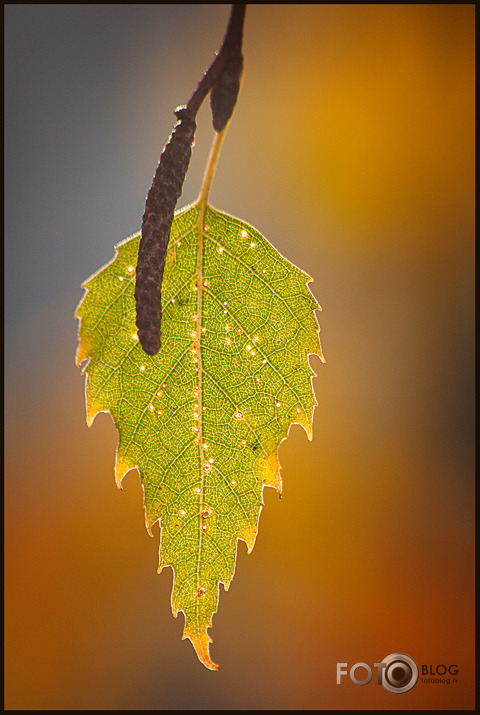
x=157, y=220
x=225, y=91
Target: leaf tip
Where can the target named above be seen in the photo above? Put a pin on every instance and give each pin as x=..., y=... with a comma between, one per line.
x=201, y=643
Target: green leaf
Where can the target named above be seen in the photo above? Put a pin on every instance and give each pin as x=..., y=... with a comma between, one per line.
x=203, y=419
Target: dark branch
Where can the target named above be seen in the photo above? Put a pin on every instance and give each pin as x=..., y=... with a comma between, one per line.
x=222, y=78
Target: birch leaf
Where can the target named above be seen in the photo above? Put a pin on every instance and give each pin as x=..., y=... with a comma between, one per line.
x=202, y=420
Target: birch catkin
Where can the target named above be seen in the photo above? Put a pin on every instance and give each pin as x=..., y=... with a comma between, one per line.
x=225, y=91
x=156, y=223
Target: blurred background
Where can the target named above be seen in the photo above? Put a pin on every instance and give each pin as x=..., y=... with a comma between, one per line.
x=352, y=151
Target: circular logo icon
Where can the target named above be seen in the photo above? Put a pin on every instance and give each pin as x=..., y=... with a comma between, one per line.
x=400, y=673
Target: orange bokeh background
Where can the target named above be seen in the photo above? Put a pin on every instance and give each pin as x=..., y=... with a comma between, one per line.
x=352, y=151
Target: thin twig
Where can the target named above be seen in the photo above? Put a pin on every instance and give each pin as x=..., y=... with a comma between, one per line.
x=222, y=78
